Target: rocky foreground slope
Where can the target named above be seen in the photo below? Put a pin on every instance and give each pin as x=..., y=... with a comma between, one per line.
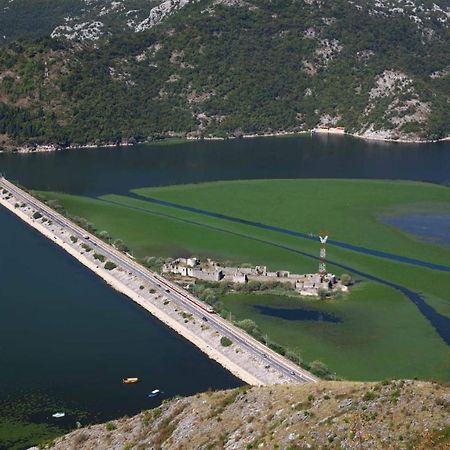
x=342, y=415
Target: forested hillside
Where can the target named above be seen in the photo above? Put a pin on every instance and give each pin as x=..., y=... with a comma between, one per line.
x=228, y=67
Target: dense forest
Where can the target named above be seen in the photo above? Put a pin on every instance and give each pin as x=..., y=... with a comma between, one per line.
x=215, y=69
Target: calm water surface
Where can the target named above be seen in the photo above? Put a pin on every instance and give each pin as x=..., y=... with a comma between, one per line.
x=430, y=227
x=67, y=336
x=100, y=171
x=297, y=314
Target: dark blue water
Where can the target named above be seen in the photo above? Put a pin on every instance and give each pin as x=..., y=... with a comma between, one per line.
x=66, y=335
x=297, y=314
x=102, y=171
x=429, y=227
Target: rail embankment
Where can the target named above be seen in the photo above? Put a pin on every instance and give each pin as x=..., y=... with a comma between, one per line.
x=201, y=331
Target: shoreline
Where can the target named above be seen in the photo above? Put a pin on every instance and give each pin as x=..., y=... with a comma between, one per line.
x=54, y=148
x=123, y=289
x=235, y=359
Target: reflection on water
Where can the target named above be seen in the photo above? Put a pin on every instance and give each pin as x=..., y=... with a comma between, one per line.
x=117, y=170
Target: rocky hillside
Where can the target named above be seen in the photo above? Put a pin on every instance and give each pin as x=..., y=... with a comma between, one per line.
x=106, y=72
x=333, y=415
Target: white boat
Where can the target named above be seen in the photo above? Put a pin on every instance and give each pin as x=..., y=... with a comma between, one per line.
x=154, y=393
x=57, y=415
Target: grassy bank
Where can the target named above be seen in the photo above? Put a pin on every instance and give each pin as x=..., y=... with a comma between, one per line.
x=350, y=210
x=380, y=334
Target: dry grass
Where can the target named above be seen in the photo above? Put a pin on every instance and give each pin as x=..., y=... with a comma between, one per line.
x=330, y=415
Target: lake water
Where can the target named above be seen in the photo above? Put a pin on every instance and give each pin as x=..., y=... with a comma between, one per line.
x=297, y=314
x=428, y=227
x=112, y=170
x=67, y=339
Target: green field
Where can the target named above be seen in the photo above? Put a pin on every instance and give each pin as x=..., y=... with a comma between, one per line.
x=383, y=334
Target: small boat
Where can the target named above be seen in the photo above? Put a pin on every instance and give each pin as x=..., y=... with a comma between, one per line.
x=130, y=380
x=154, y=393
x=58, y=415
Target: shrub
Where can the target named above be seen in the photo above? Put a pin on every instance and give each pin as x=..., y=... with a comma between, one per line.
x=277, y=348
x=369, y=395
x=104, y=235
x=293, y=357
x=80, y=438
x=346, y=279
x=121, y=246
x=320, y=369
x=86, y=247
x=157, y=413
x=74, y=239
x=248, y=325
x=109, y=265
x=37, y=215
x=226, y=342
x=110, y=426
x=99, y=257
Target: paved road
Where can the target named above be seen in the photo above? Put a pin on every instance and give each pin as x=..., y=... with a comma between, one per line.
x=172, y=291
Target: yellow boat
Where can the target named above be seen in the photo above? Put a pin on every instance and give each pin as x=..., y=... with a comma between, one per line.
x=130, y=380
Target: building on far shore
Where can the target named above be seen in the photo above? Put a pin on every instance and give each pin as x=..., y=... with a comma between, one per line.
x=331, y=130
x=209, y=270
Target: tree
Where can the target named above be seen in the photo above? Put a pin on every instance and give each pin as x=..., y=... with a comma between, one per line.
x=320, y=369
x=248, y=325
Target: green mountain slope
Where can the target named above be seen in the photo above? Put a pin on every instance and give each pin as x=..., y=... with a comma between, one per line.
x=221, y=68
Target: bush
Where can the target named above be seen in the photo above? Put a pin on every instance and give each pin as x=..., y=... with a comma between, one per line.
x=99, y=257
x=104, y=235
x=320, y=369
x=121, y=246
x=248, y=325
x=346, y=279
x=74, y=239
x=86, y=247
x=109, y=265
x=277, y=348
x=110, y=426
x=293, y=357
x=226, y=342
x=37, y=215
x=153, y=263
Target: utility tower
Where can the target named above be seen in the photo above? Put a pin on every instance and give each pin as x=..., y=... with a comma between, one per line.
x=323, y=237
